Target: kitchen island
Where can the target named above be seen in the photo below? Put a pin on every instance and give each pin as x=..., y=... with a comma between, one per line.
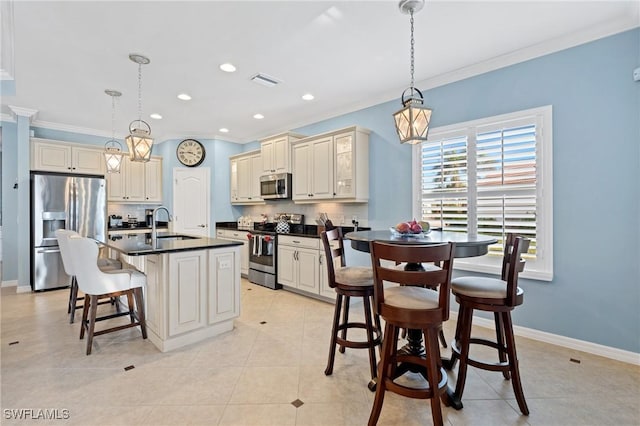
x=193, y=285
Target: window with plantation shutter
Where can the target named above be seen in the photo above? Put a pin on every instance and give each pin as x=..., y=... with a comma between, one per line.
x=491, y=177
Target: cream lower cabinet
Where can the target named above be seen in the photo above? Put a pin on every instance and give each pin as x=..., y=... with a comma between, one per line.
x=240, y=236
x=222, y=285
x=187, y=291
x=190, y=295
x=301, y=266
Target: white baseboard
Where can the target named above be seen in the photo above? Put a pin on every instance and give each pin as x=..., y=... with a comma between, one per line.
x=565, y=342
x=9, y=283
x=23, y=289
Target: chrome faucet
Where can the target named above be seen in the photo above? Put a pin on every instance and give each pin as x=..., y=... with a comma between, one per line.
x=154, y=231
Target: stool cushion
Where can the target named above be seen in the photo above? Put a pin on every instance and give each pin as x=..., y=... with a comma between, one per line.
x=355, y=275
x=411, y=297
x=481, y=287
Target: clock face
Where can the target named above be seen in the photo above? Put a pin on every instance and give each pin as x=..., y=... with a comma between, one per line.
x=190, y=152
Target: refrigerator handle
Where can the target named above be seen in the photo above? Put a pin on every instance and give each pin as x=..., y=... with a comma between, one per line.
x=72, y=204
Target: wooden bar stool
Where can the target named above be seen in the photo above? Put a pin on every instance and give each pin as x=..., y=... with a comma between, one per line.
x=499, y=296
x=97, y=284
x=105, y=264
x=412, y=304
x=348, y=282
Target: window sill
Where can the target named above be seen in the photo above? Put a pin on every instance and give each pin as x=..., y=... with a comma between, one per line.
x=531, y=274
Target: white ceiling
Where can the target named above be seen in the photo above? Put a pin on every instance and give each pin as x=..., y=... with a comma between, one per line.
x=349, y=54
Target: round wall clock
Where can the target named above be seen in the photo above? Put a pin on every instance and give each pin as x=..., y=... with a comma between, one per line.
x=190, y=152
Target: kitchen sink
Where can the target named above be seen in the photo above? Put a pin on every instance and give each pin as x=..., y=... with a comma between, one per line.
x=176, y=237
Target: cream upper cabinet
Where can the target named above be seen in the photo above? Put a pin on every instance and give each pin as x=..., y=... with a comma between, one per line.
x=233, y=189
x=245, y=172
x=137, y=182
x=332, y=166
x=313, y=170
x=153, y=180
x=64, y=157
x=351, y=162
x=275, y=152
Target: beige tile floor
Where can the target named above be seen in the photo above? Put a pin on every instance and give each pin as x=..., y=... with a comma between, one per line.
x=250, y=376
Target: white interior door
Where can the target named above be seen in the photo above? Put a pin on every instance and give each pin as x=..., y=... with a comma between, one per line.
x=191, y=201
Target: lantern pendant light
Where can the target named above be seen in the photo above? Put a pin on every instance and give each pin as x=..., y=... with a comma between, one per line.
x=139, y=140
x=113, y=148
x=412, y=121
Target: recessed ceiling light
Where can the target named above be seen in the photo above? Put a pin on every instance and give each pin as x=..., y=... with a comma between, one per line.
x=228, y=67
x=307, y=97
x=258, y=116
x=184, y=97
x=224, y=130
x=156, y=116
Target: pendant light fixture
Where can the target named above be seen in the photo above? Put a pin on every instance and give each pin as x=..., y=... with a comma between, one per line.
x=139, y=140
x=412, y=121
x=113, y=148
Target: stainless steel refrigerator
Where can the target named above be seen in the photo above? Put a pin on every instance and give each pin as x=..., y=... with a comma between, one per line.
x=58, y=201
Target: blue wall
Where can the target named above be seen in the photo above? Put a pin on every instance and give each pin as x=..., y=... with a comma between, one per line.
x=596, y=155
x=596, y=147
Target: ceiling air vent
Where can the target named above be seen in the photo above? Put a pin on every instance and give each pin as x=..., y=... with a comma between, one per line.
x=265, y=80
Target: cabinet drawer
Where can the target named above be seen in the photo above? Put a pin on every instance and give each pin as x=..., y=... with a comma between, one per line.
x=289, y=240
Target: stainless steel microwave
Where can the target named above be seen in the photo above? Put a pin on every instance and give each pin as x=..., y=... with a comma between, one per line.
x=276, y=186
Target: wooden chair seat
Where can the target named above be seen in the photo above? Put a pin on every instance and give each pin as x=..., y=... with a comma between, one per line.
x=482, y=288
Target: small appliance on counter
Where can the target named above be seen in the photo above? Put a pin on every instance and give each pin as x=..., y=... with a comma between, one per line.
x=115, y=221
x=132, y=222
x=148, y=214
x=245, y=223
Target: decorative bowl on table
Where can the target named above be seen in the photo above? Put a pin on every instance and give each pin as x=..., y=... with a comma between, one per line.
x=410, y=229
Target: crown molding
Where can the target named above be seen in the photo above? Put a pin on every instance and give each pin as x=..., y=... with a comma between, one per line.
x=24, y=112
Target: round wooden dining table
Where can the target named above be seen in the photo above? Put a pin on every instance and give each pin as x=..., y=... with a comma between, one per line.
x=466, y=246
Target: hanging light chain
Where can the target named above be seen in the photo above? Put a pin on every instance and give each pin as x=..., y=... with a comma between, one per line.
x=113, y=117
x=139, y=91
x=412, y=50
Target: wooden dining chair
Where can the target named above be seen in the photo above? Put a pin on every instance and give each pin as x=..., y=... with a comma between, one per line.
x=412, y=304
x=348, y=282
x=499, y=296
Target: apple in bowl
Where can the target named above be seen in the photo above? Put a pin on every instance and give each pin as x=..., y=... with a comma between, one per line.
x=411, y=227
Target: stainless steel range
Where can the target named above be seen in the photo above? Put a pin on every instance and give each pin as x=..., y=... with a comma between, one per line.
x=263, y=251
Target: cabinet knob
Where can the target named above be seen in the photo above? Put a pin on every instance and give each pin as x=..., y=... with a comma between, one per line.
x=68, y=168
x=202, y=226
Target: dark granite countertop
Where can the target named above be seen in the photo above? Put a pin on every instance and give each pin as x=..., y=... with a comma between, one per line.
x=138, y=226
x=141, y=244
x=310, y=231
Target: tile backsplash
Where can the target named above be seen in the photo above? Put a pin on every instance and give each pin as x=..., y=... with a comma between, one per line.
x=128, y=210
x=339, y=213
